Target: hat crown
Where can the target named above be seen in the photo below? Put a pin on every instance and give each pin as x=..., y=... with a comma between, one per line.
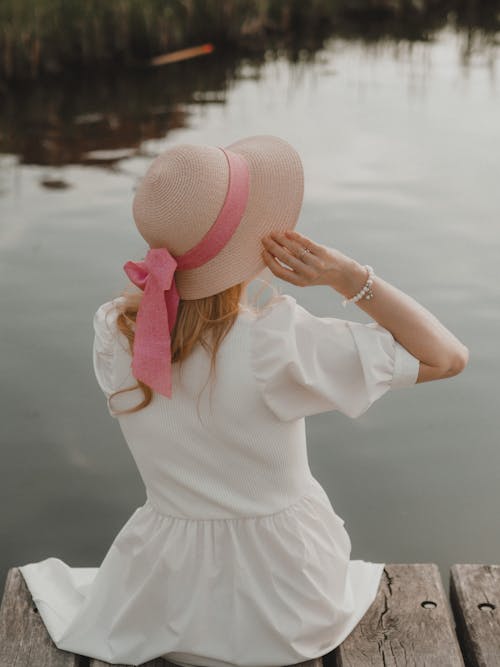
x=180, y=196
x=182, y=193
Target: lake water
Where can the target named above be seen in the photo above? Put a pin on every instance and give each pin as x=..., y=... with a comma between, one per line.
x=400, y=146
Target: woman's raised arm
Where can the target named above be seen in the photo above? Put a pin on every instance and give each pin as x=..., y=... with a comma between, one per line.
x=440, y=352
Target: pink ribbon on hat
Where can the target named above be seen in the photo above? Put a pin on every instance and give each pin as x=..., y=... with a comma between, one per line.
x=157, y=312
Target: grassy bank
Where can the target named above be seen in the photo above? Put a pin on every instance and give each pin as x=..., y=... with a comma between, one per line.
x=39, y=37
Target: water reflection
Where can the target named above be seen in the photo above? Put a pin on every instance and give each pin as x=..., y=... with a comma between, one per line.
x=101, y=119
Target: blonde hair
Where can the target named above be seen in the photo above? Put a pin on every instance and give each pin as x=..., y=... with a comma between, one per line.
x=204, y=321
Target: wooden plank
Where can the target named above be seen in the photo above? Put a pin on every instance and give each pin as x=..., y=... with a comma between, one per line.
x=182, y=54
x=409, y=623
x=475, y=601
x=24, y=640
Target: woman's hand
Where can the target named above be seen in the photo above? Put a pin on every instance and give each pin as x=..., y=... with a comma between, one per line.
x=320, y=266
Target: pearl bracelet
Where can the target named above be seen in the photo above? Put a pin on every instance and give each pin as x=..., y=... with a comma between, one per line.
x=365, y=291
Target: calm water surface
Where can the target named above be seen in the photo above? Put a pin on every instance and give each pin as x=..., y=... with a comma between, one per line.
x=400, y=146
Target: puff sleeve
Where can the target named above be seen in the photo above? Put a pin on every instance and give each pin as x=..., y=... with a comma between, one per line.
x=105, y=345
x=306, y=364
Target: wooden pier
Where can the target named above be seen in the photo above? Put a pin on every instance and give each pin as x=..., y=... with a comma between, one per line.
x=411, y=622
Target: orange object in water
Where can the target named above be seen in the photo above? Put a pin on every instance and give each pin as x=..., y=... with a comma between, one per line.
x=183, y=54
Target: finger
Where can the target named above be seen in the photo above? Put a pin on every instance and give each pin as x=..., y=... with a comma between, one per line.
x=297, y=249
x=307, y=270
x=282, y=253
x=316, y=248
x=280, y=271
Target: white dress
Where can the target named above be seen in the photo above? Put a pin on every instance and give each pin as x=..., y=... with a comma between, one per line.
x=236, y=557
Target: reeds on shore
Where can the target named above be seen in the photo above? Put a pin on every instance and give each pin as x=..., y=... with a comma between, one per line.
x=44, y=36
x=39, y=37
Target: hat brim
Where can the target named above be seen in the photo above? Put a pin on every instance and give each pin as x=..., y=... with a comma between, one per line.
x=275, y=199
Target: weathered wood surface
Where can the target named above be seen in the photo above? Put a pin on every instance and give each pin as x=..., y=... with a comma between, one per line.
x=24, y=641
x=409, y=623
x=475, y=601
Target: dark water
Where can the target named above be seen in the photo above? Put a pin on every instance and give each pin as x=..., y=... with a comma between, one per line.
x=400, y=144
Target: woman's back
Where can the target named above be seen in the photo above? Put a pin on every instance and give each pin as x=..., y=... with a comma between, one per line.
x=236, y=454
x=212, y=450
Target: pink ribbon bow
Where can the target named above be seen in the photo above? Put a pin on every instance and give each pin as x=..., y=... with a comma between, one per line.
x=157, y=312
x=155, y=318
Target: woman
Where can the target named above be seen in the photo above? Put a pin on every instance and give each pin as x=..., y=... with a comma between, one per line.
x=237, y=556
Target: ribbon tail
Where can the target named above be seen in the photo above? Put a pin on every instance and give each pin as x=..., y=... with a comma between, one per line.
x=152, y=344
x=172, y=302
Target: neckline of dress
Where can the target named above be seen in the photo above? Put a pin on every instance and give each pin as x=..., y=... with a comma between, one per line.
x=245, y=310
x=249, y=312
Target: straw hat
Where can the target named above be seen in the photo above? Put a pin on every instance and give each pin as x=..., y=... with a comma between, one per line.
x=183, y=191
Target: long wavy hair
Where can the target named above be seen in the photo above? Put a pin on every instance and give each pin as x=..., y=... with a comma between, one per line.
x=204, y=321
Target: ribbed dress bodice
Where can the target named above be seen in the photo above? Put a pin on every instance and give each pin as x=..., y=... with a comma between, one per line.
x=246, y=463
